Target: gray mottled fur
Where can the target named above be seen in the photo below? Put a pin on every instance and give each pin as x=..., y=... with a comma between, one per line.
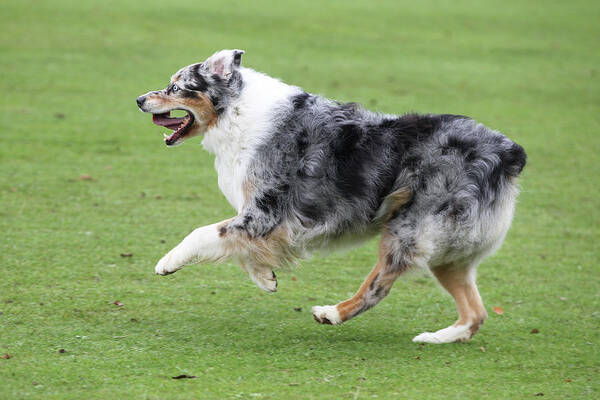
x=327, y=168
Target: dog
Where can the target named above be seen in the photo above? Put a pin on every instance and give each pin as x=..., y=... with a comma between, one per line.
x=306, y=173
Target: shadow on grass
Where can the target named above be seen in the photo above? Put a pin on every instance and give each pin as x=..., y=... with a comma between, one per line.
x=291, y=335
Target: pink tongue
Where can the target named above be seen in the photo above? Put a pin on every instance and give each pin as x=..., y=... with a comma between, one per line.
x=166, y=121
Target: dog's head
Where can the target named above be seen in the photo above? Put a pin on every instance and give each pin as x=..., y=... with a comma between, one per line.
x=202, y=90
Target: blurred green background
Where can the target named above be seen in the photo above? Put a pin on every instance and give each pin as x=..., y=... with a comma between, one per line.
x=91, y=199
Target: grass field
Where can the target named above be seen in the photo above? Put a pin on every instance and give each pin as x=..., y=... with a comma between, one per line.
x=69, y=74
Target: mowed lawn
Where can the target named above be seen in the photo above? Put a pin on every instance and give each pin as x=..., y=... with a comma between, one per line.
x=91, y=198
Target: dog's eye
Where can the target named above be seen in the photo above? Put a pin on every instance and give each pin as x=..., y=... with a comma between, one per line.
x=175, y=88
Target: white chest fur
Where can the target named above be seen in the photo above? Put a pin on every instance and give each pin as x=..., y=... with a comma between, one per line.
x=231, y=163
x=243, y=127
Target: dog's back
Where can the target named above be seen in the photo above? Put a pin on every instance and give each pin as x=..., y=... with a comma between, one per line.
x=334, y=164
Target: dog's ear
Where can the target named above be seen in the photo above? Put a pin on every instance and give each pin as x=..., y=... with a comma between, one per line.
x=224, y=62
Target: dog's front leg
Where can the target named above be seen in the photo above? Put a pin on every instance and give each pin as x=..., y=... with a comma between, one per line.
x=258, y=245
x=205, y=244
x=262, y=275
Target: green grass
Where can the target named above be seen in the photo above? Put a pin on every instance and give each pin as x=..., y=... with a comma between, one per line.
x=69, y=74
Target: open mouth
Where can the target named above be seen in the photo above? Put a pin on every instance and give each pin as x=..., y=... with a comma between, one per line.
x=179, y=126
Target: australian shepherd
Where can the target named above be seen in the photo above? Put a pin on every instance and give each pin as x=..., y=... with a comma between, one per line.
x=306, y=173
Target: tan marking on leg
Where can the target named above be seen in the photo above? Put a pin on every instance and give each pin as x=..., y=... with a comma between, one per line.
x=461, y=286
x=380, y=273
x=273, y=250
x=348, y=307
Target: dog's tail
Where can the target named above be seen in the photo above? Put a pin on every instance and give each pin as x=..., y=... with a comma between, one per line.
x=514, y=159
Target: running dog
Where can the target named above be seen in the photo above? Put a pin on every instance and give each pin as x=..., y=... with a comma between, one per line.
x=306, y=173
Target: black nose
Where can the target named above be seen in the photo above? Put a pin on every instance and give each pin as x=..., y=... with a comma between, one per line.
x=140, y=101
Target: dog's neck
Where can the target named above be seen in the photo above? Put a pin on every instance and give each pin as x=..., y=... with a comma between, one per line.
x=249, y=115
x=241, y=127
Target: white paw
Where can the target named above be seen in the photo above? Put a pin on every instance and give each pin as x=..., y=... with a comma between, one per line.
x=460, y=333
x=166, y=265
x=266, y=281
x=328, y=315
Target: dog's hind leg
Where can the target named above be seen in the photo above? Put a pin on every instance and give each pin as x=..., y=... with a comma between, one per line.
x=459, y=281
x=375, y=287
x=392, y=262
